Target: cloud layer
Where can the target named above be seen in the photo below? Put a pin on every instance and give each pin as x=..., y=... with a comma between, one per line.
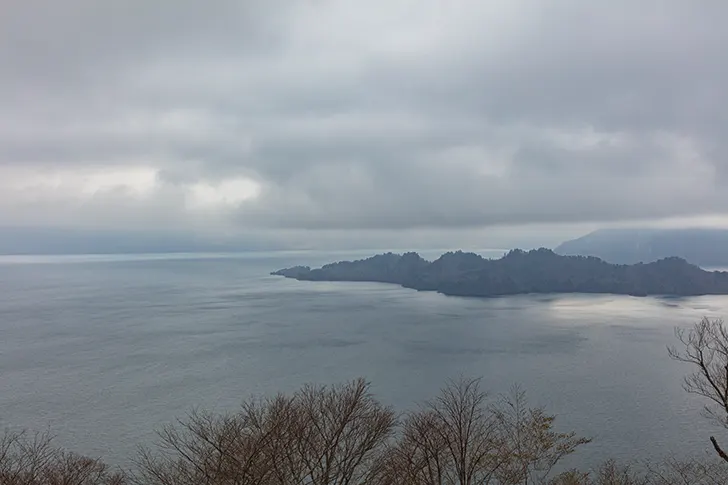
x=342, y=115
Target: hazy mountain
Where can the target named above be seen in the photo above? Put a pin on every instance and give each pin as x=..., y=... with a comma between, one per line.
x=704, y=247
x=537, y=271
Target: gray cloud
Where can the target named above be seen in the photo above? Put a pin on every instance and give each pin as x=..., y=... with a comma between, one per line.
x=364, y=116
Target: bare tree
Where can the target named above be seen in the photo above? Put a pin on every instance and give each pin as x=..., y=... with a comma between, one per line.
x=705, y=346
x=461, y=438
x=450, y=440
x=319, y=436
x=32, y=459
x=531, y=447
x=687, y=472
x=667, y=472
x=343, y=434
x=609, y=473
x=467, y=430
x=421, y=455
x=207, y=449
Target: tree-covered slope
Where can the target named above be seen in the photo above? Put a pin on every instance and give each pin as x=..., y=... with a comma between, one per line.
x=518, y=272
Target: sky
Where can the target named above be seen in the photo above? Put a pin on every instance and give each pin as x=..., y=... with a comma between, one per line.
x=343, y=123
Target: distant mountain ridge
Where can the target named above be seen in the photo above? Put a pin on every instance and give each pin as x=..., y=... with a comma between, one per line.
x=704, y=247
x=521, y=272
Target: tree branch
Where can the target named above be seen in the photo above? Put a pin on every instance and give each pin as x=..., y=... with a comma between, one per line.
x=718, y=449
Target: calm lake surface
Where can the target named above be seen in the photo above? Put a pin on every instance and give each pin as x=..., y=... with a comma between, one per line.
x=104, y=349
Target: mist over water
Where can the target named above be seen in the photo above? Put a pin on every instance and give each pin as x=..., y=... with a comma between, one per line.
x=104, y=349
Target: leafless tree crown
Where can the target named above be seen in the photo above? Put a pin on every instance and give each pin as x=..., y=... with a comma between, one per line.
x=341, y=435
x=705, y=346
x=32, y=459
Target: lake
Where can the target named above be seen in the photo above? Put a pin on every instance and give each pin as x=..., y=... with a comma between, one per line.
x=104, y=349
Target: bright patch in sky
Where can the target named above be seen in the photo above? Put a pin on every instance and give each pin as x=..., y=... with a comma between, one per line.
x=225, y=194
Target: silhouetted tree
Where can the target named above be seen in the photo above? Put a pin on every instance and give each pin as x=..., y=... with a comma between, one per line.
x=705, y=346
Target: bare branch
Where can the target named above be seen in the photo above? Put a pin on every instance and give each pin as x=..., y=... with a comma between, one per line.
x=705, y=346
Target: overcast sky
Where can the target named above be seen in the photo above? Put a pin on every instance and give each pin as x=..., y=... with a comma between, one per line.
x=458, y=122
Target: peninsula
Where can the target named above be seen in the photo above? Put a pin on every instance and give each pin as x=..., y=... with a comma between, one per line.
x=521, y=272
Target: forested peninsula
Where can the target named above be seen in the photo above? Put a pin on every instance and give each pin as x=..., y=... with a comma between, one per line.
x=521, y=272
